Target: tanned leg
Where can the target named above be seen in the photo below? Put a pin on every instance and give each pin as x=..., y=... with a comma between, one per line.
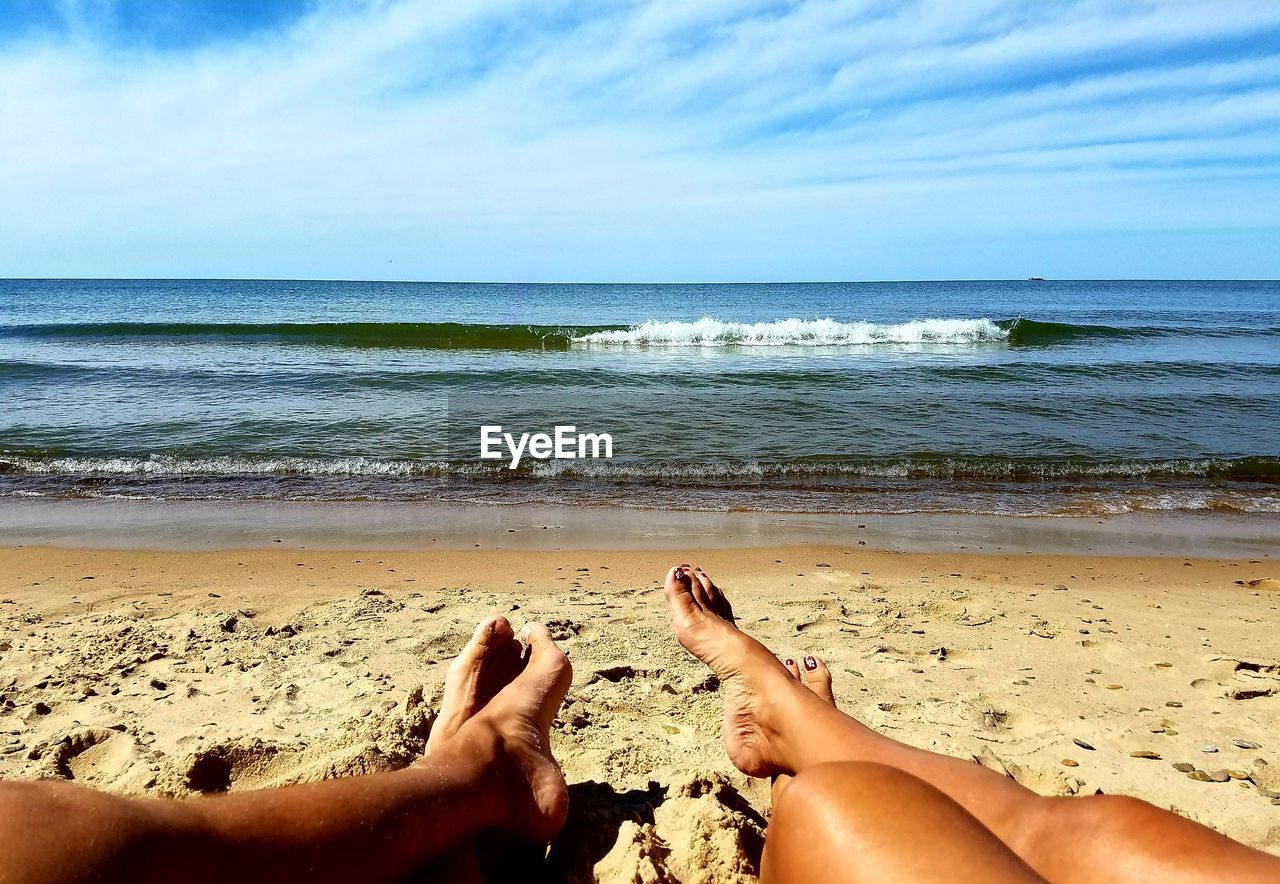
x=495, y=772
x=853, y=822
x=487, y=664
x=817, y=678
x=898, y=827
x=774, y=725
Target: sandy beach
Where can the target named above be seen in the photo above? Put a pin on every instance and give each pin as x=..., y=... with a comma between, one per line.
x=186, y=672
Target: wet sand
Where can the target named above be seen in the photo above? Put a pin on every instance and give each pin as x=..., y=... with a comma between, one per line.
x=195, y=525
x=198, y=670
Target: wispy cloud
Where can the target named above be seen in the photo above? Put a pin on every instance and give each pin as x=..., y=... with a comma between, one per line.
x=669, y=139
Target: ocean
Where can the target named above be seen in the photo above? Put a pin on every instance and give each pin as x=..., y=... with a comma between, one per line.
x=1022, y=397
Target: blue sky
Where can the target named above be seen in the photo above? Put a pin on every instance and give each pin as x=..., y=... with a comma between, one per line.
x=660, y=140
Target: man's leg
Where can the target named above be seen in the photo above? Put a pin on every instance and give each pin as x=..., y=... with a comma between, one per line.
x=494, y=772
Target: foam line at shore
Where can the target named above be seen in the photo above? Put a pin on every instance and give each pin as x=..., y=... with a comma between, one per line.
x=917, y=466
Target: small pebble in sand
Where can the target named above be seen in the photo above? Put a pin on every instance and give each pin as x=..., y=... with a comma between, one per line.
x=1237, y=774
x=1068, y=762
x=1209, y=749
x=1145, y=753
x=1183, y=767
x=1173, y=704
x=1081, y=743
x=1219, y=776
x=1200, y=776
x=1247, y=744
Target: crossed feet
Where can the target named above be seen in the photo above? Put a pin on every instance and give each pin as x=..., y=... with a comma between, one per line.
x=500, y=699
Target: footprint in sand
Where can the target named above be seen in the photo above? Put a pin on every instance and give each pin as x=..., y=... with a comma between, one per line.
x=99, y=757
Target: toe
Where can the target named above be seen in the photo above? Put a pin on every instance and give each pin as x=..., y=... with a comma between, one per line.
x=490, y=635
x=792, y=667
x=698, y=586
x=679, y=590
x=715, y=599
x=542, y=653
x=547, y=672
x=818, y=678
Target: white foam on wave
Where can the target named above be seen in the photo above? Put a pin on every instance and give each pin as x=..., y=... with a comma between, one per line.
x=709, y=332
x=944, y=468
x=164, y=465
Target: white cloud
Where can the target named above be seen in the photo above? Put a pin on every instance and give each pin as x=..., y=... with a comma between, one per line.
x=504, y=139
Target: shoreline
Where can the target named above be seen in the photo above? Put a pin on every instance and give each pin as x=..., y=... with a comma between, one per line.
x=332, y=525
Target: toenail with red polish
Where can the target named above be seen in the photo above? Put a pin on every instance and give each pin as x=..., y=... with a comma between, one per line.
x=791, y=662
x=810, y=663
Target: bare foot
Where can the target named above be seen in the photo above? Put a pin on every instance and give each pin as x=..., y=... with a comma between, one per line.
x=488, y=663
x=814, y=674
x=512, y=735
x=817, y=678
x=752, y=678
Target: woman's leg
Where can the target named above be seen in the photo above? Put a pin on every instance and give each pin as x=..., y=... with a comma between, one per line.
x=494, y=772
x=898, y=827
x=816, y=678
x=852, y=821
x=773, y=725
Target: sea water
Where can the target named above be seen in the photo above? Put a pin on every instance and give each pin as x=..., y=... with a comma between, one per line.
x=988, y=397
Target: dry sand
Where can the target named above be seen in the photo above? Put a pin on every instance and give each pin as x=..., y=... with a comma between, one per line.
x=180, y=673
